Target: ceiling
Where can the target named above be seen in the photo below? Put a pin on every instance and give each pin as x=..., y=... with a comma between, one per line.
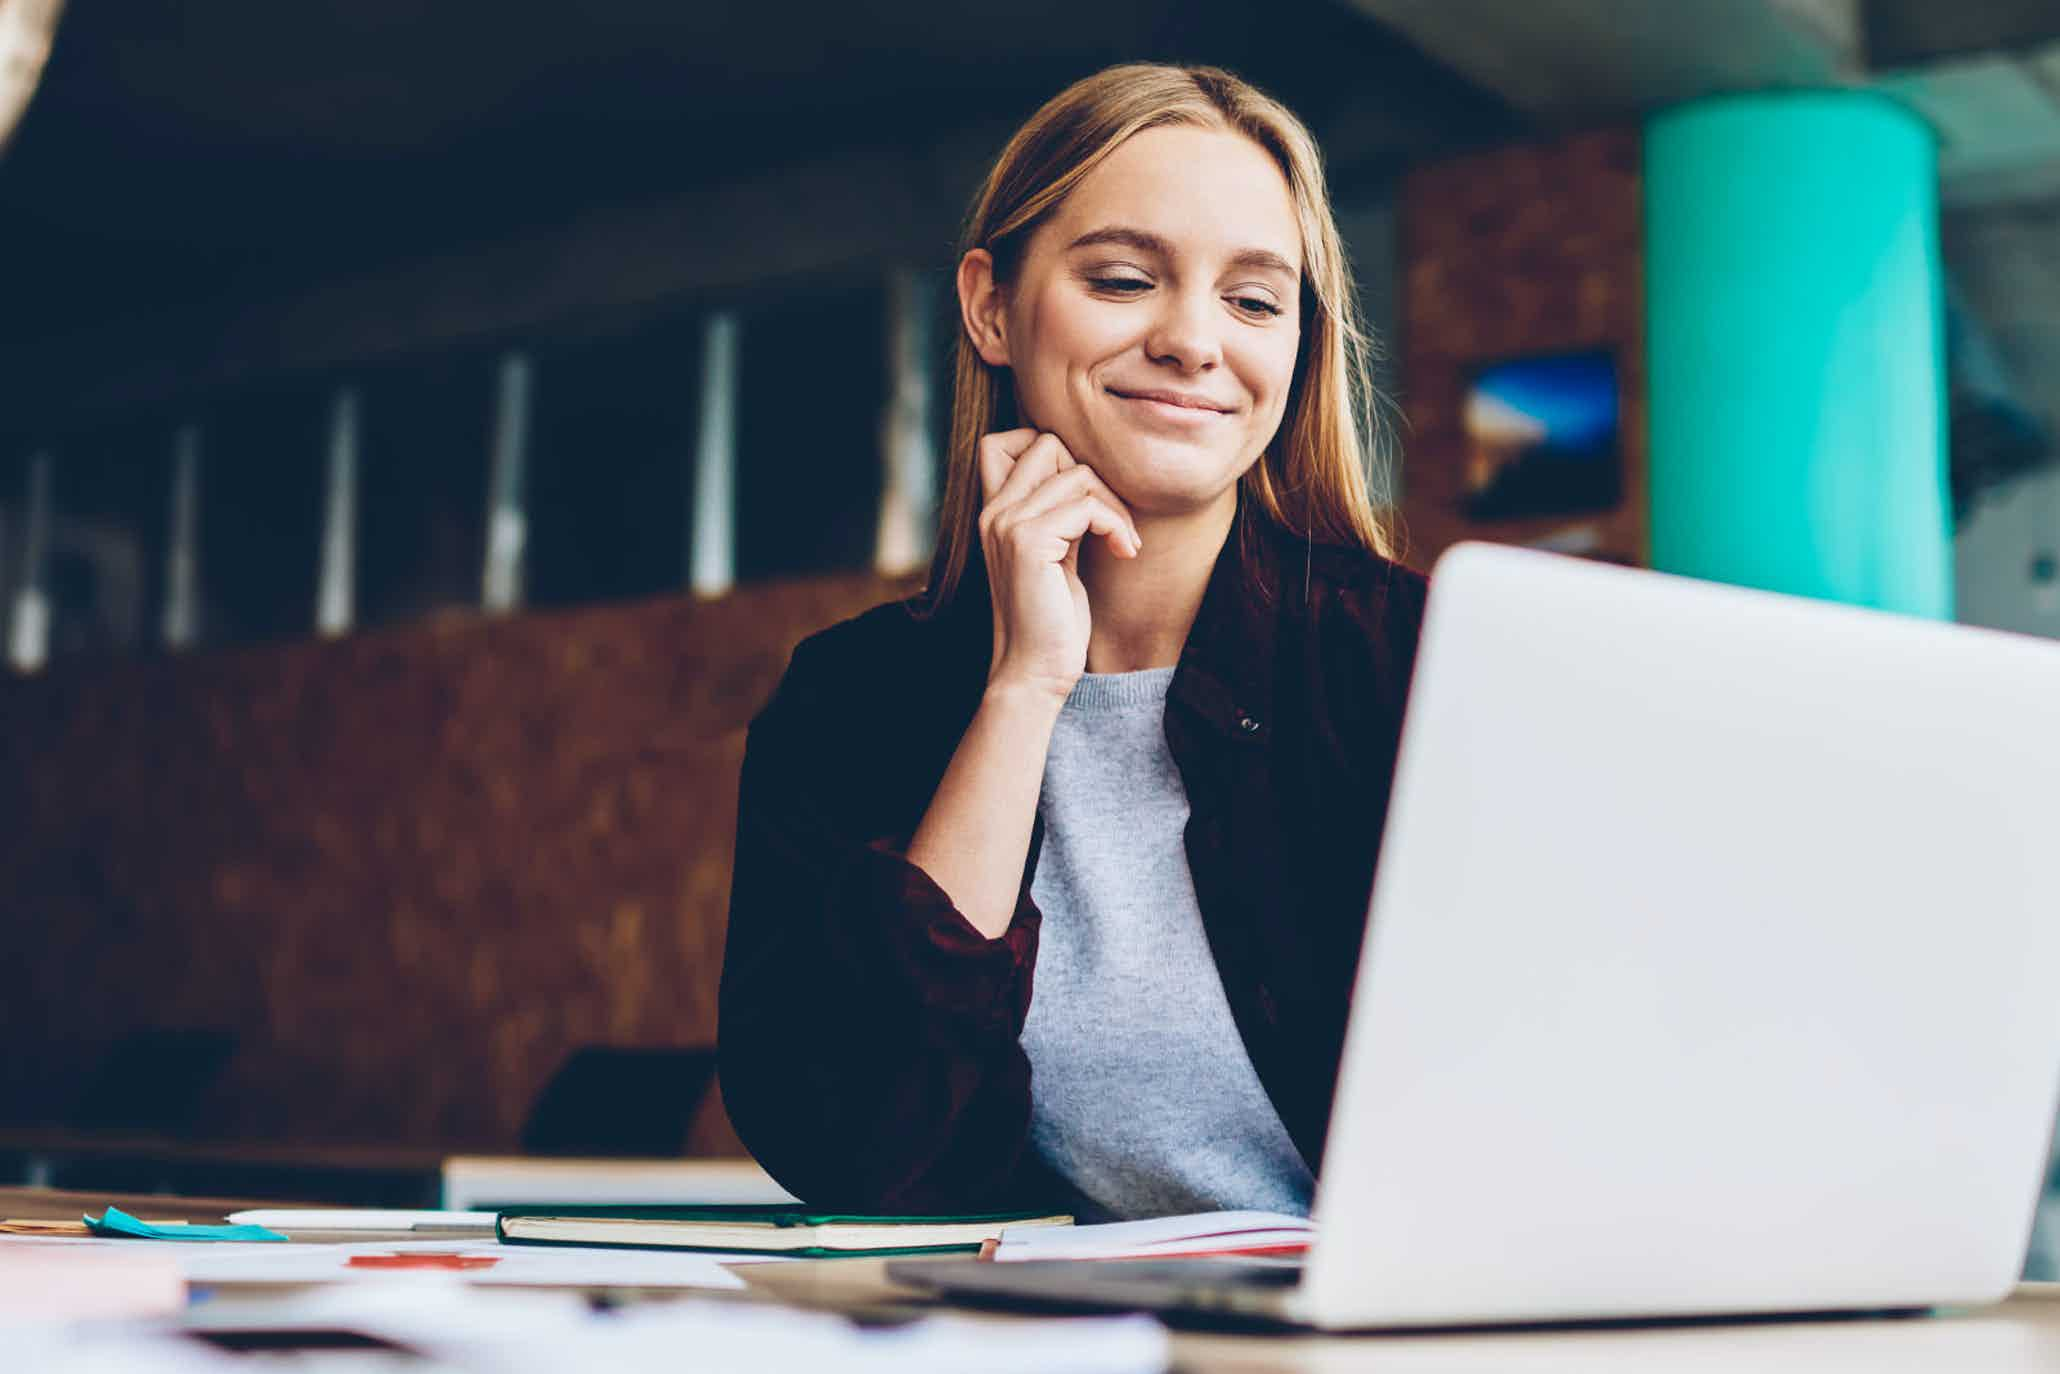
x=181, y=150
x=194, y=154
x=1984, y=73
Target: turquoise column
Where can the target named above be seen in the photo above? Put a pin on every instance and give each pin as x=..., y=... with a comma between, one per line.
x=1795, y=349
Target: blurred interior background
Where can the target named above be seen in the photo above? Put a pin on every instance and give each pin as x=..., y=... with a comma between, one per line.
x=424, y=431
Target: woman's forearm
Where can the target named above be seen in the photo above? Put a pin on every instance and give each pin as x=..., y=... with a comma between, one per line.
x=975, y=837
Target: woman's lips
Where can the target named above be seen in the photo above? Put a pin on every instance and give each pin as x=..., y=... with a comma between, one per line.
x=1169, y=410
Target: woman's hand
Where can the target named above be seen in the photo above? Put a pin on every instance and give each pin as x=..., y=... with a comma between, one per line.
x=1039, y=504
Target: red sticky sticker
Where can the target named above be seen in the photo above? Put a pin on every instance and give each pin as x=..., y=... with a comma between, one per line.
x=424, y=1259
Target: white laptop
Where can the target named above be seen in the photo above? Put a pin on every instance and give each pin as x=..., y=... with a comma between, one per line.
x=1713, y=969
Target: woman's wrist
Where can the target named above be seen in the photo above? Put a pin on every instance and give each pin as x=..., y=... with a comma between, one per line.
x=1017, y=696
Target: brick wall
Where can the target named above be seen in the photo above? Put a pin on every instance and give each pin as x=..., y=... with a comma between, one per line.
x=410, y=869
x=1520, y=251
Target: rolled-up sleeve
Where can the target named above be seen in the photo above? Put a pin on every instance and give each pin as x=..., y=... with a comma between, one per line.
x=869, y=1035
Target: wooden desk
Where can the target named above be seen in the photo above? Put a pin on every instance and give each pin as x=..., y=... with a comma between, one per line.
x=55, y=1204
x=2022, y=1334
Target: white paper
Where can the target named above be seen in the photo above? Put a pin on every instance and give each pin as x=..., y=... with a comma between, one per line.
x=606, y=1268
x=359, y=1219
x=466, y=1328
x=1201, y=1231
x=301, y=1262
x=738, y=1339
x=508, y=1265
x=462, y=1328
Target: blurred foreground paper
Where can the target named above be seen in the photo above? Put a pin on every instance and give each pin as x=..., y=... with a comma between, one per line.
x=47, y=1283
x=421, y=1263
x=497, y=1330
x=474, y=1262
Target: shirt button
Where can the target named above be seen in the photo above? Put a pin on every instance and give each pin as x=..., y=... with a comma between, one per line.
x=1247, y=724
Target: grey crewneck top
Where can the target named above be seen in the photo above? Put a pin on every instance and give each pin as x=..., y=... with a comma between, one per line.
x=1142, y=1096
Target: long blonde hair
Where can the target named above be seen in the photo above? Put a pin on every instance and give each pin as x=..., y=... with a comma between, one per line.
x=1334, y=437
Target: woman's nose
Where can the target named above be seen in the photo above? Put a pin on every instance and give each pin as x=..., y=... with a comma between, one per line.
x=1185, y=331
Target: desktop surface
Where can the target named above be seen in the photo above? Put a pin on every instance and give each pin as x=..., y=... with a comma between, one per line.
x=2020, y=1334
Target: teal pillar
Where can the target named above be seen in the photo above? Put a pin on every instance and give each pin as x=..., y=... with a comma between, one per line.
x=1795, y=349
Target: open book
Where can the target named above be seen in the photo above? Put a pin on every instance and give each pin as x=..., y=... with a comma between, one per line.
x=1203, y=1233
x=765, y=1230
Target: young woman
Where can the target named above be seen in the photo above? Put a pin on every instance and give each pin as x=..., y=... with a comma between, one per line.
x=1134, y=743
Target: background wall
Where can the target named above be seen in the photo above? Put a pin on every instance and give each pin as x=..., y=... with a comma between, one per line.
x=1527, y=250
x=2005, y=262
x=410, y=870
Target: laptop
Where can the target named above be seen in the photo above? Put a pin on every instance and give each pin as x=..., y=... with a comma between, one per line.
x=1713, y=968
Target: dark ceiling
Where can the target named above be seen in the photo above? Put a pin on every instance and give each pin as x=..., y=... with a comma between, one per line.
x=188, y=150
x=1907, y=33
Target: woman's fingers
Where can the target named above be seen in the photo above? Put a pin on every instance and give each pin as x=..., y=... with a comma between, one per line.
x=1050, y=537
x=998, y=453
x=1024, y=480
x=1036, y=465
x=1074, y=482
x=1030, y=466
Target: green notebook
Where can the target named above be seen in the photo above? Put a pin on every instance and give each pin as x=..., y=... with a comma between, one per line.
x=758, y=1230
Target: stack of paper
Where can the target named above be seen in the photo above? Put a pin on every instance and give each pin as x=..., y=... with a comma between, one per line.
x=1203, y=1233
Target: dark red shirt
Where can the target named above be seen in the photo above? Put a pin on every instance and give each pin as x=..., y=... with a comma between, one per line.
x=869, y=1035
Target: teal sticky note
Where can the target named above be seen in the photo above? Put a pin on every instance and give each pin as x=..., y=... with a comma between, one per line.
x=116, y=1222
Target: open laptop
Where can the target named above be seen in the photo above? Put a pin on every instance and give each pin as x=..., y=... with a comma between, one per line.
x=1713, y=968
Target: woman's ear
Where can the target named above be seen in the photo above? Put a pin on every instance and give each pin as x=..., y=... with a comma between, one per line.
x=983, y=305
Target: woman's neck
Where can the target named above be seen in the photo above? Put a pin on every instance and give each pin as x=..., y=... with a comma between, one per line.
x=1143, y=607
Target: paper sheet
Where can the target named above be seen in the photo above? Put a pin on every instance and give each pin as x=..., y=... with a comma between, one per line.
x=1199, y=1233
x=513, y=1334
x=484, y=1263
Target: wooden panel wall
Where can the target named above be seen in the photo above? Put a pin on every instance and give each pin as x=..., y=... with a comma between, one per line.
x=411, y=869
x=1520, y=251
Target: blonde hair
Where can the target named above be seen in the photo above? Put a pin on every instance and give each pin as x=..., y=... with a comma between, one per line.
x=1333, y=437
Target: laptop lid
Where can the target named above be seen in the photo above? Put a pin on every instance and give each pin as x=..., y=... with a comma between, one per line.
x=1714, y=960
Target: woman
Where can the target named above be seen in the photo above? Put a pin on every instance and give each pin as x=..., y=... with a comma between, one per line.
x=1135, y=739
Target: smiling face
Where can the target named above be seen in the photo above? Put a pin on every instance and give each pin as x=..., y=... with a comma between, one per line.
x=1154, y=320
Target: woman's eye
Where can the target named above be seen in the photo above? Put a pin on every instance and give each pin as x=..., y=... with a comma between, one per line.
x=1251, y=305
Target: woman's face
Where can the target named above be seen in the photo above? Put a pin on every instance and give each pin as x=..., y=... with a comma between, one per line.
x=1154, y=323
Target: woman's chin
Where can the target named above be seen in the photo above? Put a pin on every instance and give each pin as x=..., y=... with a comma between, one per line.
x=1160, y=485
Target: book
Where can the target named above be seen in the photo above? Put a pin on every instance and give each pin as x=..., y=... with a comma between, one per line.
x=1201, y=1233
x=794, y=1231
x=492, y=1182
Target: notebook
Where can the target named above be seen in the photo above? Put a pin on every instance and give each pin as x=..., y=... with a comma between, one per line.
x=1205, y=1233
x=759, y=1230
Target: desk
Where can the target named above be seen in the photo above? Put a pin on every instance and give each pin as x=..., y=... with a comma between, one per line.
x=55, y=1204
x=2021, y=1335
